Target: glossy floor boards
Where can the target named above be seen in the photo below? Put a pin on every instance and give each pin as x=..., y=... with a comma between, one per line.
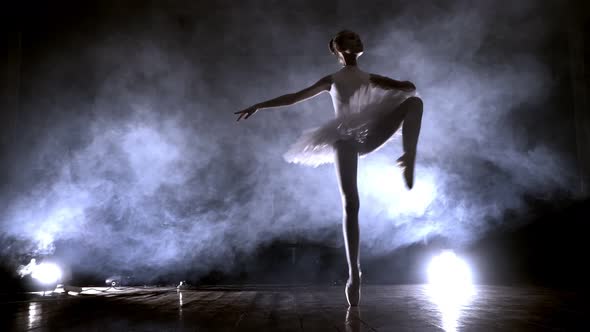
x=297, y=308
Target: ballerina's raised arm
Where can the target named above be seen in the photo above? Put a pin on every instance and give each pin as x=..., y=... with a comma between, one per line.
x=320, y=86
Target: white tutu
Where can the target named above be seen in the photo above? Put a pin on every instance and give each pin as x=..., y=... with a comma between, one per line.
x=316, y=146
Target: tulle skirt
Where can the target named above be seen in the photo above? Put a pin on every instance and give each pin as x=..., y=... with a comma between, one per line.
x=316, y=146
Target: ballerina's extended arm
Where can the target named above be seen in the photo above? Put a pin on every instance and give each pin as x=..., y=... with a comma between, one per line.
x=320, y=86
x=390, y=84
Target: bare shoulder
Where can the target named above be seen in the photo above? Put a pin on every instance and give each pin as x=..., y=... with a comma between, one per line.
x=388, y=83
x=325, y=83
x=326, y=79
x=375, y=78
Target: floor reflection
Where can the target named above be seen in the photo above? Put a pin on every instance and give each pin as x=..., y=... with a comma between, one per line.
x=352, y=322
x=451, y=303
x=34, y=314
x=303, y=308
x=180, y=304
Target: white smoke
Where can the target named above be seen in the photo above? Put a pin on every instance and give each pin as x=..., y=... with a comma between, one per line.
x=154, y=171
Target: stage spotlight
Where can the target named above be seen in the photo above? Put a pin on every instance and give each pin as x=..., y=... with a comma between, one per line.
x=120, y=280
x=449, y=273
x=40, y=277
x=450, y=287
x=113, y=281
x=47, y=273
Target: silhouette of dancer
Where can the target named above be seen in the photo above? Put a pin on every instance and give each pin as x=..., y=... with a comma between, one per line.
x=369, y=109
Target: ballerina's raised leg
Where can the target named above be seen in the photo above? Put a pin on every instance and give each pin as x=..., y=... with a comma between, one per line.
x=410, y=114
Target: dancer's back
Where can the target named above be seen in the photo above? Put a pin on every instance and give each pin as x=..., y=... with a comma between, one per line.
x=349, y=85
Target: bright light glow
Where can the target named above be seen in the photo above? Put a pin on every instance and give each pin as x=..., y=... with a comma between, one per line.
x=384, y=184
x=449, y=271
x=45, y=273
x=450, y=287
x=34, y=314
x=180, y=304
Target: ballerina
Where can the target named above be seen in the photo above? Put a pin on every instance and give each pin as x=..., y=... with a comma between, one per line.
x=369, y=109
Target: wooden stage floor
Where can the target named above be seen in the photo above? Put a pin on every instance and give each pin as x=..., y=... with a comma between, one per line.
x=295, y=308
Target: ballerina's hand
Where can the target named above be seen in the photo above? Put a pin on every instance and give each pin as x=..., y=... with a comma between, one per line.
x=246, y=113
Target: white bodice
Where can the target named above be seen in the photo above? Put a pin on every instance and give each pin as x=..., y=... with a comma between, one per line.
x=350, y=86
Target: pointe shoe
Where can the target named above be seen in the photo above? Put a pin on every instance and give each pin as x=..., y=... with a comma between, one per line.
x=352, y=322
x=353, y=291
x=406, y=163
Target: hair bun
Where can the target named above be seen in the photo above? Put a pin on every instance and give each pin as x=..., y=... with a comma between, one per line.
x=331, y=45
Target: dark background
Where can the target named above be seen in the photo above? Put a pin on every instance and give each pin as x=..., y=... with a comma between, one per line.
x=120, y=154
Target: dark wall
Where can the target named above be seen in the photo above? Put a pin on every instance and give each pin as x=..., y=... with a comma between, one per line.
x=579, y=50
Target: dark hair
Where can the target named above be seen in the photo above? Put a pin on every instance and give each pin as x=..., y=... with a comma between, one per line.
x=336, y=38
x=331, y=45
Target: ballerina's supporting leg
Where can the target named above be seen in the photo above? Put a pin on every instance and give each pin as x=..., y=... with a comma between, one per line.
x=352, y=322
x=346, y=169
x=410, y=114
